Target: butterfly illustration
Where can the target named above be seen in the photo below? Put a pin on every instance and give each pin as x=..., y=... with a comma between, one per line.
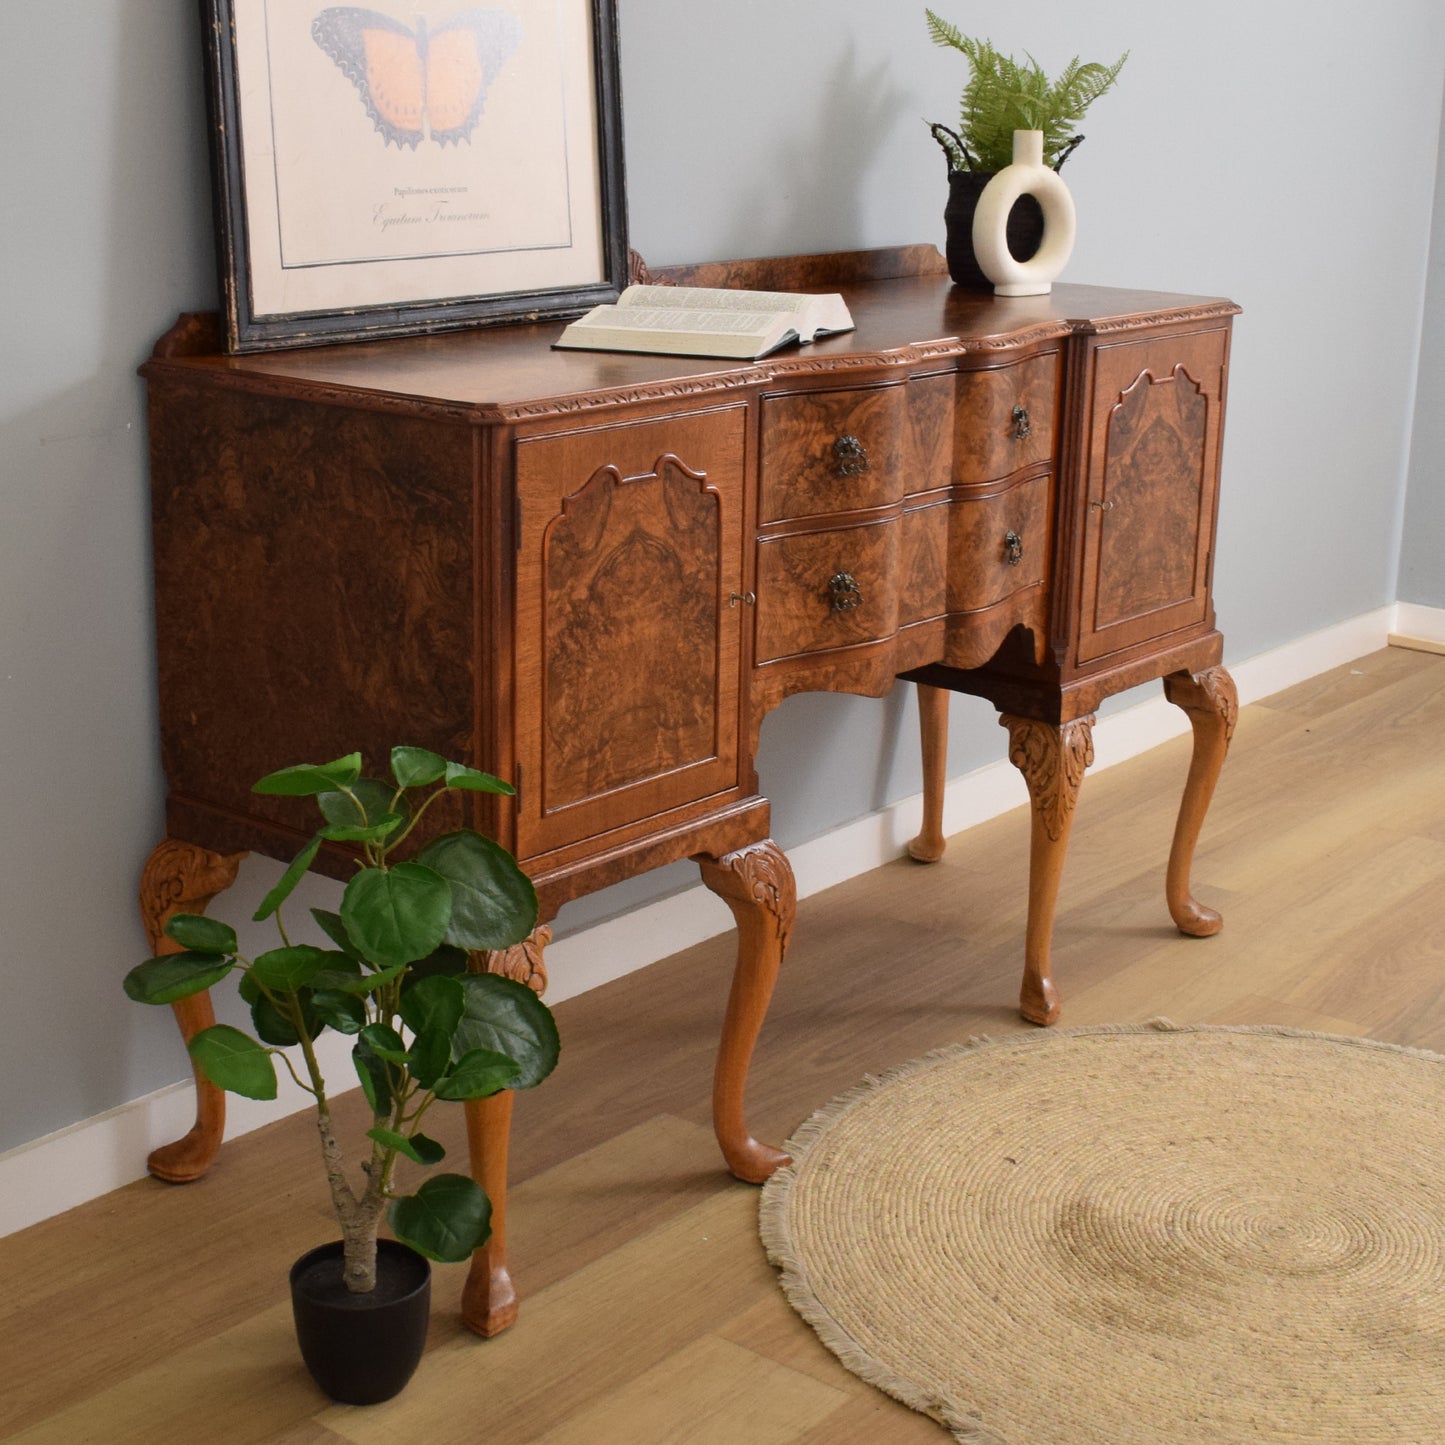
x=419, y=83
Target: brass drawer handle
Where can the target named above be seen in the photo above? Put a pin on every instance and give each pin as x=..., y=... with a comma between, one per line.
x=851, y=456
x=1013, y=548
x=844, y=591
x=1023, y=427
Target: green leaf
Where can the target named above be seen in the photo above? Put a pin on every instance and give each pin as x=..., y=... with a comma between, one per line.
x=418, y=1147
x=474, y=781
x=386, y=1044
x=340, y=1011
x=478, y=1075
x=431, y=1052
x=332, y=926
x=365, y=802
x=395, y=916
x=175, y=975
x=201, y=935
x=375, y=1078
x=433, y=1003
x=493, y=902
x=357, y=983
x=284, y=970
x=288, y=881
x=446, y=1219
x=234, y=1061
x=384, y=827
x=273, y=1025
x=416, y=767
x=431, y=1009
x=306, y=780
x=447, y=961
x=508, y=1018
x=248, y=988
x=365, y=813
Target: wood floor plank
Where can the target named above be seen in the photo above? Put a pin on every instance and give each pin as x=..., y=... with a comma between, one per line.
x=249, y=1377
x=712, y=1392
x=586, y=1337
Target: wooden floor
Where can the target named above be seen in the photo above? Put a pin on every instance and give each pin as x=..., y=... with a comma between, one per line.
x=158, y=1313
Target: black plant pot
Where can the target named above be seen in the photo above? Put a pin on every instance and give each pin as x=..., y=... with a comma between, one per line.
x=361, y=1349
x=1025, y=230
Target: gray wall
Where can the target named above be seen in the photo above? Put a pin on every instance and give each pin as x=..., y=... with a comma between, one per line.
x=1422, y=550
x=1252, y=150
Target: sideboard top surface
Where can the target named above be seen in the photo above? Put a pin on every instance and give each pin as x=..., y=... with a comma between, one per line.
x=512, y=372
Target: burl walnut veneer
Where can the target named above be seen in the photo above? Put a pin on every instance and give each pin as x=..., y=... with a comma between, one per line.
x=593, y=574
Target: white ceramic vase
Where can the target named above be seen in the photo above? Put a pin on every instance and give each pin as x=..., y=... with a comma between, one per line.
x=1028, y=175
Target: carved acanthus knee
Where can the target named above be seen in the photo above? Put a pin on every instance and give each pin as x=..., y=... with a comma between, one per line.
x=523, y=961
x=1209, y=695
x=181, y=878
x=1053, y=759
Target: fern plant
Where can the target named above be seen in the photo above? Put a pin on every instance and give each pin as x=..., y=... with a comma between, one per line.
x=1002, y=96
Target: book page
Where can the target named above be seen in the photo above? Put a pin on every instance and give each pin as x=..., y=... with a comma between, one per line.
x=664, y=318
x=716, y=299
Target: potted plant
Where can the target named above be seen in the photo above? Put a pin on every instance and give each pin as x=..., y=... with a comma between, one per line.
x=1000, y=97
x=426, y=1029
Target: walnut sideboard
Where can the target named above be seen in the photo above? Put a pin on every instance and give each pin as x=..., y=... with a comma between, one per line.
x=593, y=574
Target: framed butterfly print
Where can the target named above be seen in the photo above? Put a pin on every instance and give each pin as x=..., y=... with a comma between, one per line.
x=418, y=166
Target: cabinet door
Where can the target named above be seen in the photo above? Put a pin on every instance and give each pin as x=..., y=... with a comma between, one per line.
x=1152, y=483
x=627, y=682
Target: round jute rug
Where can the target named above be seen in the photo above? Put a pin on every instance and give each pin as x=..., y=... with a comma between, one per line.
x=1147, y=1234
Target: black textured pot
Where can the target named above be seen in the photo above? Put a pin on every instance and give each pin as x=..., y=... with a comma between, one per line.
x=1025, y=227
x=361, y=1348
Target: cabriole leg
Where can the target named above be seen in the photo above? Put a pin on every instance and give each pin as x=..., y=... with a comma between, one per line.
x=1053, y=758
x=929, y=845
x=757, y=884
x=489, y=1298
x=182, y=878
x=1212, y=704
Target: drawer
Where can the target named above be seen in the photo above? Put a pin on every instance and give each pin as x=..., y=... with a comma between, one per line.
x=1004, y=419
x=998, y=544
x=834, y=588
x=831, y=451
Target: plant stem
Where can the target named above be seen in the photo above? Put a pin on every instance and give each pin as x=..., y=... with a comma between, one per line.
x=358, y=1217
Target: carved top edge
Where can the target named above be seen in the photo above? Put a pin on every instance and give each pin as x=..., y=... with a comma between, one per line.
x=1205, y=311
x=184, y=355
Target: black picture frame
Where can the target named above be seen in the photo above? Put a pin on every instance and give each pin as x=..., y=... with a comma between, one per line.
x=250, y=323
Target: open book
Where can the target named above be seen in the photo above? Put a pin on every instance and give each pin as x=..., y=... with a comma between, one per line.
x=699, y=321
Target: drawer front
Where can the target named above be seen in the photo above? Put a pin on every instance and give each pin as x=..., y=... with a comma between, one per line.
x=831, y=451
x=998, y=545
x=1004, y=420
x=820, y=590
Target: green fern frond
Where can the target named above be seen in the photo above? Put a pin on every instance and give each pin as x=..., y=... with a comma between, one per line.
x=1002, y=96
x=945, y=34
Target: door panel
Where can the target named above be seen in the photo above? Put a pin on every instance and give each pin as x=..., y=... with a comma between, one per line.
x=1152, y=485
x=631, y=546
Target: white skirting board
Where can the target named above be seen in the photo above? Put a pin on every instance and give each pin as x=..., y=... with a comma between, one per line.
x=90, y=1158
x=1422, y=628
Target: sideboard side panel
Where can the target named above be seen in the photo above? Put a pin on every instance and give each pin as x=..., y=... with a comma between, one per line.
x=312, y=564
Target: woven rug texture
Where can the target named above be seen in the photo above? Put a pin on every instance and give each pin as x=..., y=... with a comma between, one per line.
x=1153, y=1234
